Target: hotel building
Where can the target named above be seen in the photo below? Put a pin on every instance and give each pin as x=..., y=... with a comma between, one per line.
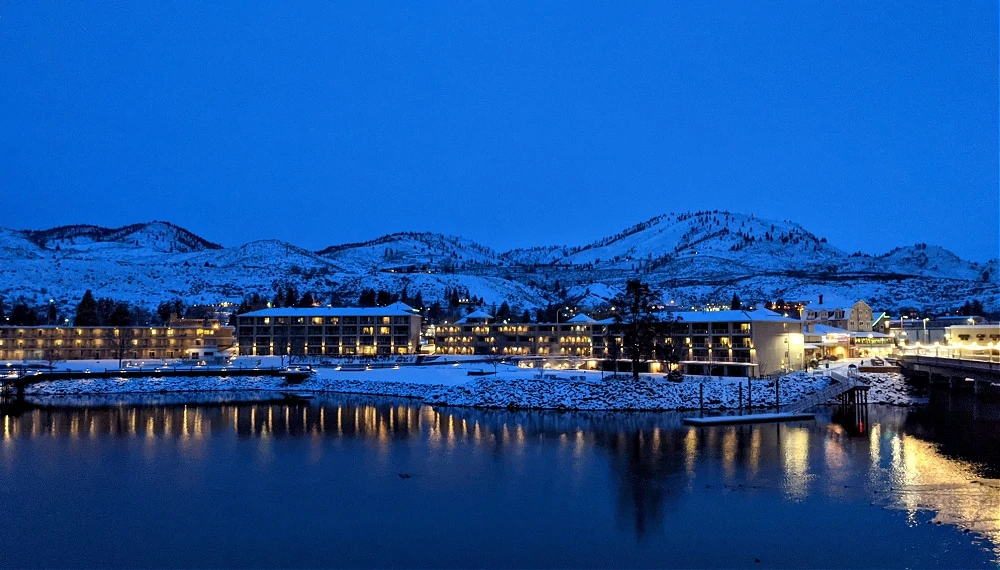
x=103, y=343
x=717, y=343
x=329, y=331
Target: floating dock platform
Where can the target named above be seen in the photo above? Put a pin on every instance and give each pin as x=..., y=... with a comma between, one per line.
x=749, y=419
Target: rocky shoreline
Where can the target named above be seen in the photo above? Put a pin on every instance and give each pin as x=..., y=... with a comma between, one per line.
x=649, y=393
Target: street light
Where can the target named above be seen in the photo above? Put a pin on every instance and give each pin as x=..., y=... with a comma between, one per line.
x=926, y=339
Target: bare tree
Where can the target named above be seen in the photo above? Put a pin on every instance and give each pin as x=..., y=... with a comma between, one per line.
x=51, y=356
x=612, y=349
x=496, y=354
x=123, y=343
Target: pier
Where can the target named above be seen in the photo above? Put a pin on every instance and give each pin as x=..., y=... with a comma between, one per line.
x=846, y=388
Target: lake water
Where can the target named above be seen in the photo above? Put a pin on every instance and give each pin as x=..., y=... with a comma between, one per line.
x=360, y=481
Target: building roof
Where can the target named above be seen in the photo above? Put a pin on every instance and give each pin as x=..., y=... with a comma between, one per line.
x=868, y=334
x=393, y=310
x=759, y=315
x=478, y=314
x=831, y=304
x=581, y=318
x=827, y=329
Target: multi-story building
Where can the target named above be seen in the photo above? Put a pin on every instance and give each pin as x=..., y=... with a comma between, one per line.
x=475, y=334
x=101, y=343
x=737, y=343
x=855, y=317
x=329, y=331
x=719, y=343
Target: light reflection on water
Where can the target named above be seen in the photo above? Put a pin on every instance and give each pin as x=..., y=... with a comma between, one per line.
x=653, y=464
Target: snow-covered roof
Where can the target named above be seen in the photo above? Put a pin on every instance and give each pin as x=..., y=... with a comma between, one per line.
x=478, y=314
x=393, y=310
x=759, y=315
x=581, y=318
x=868, y=334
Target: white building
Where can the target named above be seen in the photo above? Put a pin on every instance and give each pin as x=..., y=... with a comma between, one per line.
x=738, y=343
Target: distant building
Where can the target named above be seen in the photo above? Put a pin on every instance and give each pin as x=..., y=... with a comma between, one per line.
x=853, y=316
x=329, y=331
x=200, y=340
x=973, y=335
x=880, y=322
x=929, y=329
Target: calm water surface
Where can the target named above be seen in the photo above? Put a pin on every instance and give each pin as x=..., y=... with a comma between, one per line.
x=151, y=482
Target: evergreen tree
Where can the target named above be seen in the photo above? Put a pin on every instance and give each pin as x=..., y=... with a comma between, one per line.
x=736, y=304
x=306, y=301
x=526, y=317
x=367, y=298
x=86, y=311
x=3, y=314
x=23, y=315
x=503, y=313
x=435, y=311
x=120, y=316
x=638, y=322
x=418, y=301
x=383, y=299
x=140, y=315
x=52, y=314
x=105, y=307
x=291, y=296
x=167, y=308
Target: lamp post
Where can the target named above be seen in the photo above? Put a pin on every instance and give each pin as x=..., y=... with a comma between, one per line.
x=926, y=339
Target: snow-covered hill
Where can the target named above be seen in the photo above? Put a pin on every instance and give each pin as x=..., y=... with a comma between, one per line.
x=161, y=237
x=691, y=258
x=402, y=250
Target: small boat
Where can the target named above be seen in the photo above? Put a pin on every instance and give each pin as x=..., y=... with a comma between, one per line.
x=480, y=373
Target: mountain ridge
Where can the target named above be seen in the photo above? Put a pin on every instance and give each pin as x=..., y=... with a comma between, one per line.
x=692, y=256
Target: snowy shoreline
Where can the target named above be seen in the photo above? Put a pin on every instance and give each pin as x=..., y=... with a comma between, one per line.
x=510, y=388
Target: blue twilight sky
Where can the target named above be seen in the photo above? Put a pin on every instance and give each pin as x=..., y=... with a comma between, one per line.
x=514, y=124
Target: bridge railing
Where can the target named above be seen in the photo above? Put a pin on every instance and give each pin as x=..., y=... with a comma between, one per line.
x=842, y=383
x=969, y=364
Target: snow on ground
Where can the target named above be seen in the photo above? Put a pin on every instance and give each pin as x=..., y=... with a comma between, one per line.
x=450, y=384
x=889, y=388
